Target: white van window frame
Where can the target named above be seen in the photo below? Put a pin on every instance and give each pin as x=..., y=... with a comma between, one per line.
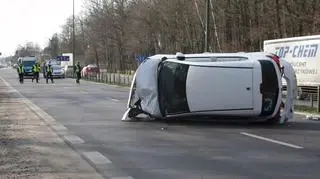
x=267, y=90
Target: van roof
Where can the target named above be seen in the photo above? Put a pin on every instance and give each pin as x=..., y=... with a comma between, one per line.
x=28, y=58
x=292, y=39
x=209, y=54
x=244, y=58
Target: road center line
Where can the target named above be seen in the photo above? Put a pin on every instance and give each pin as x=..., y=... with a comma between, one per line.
x=271, y=140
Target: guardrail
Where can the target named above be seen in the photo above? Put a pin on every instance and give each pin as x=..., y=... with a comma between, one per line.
x=307, y=98
x=110, y=78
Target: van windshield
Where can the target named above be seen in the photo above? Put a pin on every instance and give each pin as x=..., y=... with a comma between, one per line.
x=172, y=88
x=28, y=63
x=56, y=68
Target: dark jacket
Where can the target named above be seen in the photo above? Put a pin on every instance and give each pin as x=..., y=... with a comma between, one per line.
x=20, y=69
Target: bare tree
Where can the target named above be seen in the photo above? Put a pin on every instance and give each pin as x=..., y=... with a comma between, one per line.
x=112, y=33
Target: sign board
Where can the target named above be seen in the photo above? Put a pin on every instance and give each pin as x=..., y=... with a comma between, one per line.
x=63, y=58
x=304, y=55
x=140, y=58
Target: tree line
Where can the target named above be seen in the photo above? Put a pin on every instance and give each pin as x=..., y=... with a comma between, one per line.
x=111, y=33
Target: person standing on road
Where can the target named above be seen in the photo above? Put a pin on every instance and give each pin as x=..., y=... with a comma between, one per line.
x=36, y=71
x=20, y=71
x=49, y=71
x=77, y=71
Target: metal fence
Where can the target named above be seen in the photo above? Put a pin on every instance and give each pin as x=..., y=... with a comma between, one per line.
x=308, y=97
x=110, y=78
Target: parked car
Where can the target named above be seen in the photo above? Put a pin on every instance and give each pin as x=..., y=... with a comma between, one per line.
x=58, y=71
x=213, y=84
x=90, y=70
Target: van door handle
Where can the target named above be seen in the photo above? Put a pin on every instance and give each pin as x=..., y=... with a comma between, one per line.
x=248, y=88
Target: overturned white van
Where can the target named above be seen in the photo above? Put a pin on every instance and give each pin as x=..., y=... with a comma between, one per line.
x=213, y=84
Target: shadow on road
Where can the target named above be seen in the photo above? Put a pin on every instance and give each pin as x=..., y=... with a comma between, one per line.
x=297, y=124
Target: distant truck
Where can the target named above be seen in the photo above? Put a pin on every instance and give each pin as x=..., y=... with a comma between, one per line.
x=27, y=62
x=303, y=54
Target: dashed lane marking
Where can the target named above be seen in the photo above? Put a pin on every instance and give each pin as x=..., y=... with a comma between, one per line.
x=271, y=140
x=113, y=99
x=74, y=139
x=59, y=127
x=97, y=158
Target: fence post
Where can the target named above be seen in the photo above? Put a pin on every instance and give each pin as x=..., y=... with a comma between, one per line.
x=318, y=99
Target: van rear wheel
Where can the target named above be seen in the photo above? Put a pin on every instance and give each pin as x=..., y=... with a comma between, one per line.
x=277, y=118
x=273, y=121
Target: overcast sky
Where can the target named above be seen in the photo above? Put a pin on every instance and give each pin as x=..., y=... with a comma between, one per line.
x=32, y=20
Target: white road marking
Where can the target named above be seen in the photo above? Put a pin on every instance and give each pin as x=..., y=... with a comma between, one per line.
x=113, y=99
x=122, y=177
x=271, y=140
x=74, y=139
x=96, y=158
x=59, y=127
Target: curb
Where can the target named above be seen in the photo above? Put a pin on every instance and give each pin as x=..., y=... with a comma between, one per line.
x=309, y=116
x=107, y=84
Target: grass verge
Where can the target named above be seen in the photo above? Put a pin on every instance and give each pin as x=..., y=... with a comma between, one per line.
x=116, y=84
x=306, y=109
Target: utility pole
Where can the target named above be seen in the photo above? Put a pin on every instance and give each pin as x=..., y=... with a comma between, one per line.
x=73, y=38
x=206, y=42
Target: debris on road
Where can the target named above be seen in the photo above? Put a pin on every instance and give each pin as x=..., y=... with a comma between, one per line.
x=314, y=118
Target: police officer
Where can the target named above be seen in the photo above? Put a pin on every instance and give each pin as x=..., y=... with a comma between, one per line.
x=49, y=71
x=36, y=71
x=20, y=71
x=77, y=71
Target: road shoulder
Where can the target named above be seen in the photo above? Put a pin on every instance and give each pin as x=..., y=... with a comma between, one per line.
x=30, y=148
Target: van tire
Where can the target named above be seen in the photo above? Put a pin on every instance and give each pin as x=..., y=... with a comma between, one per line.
x=134, y=112
x=274, y=120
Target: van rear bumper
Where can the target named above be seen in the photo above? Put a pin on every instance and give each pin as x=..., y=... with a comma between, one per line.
x=28, y=74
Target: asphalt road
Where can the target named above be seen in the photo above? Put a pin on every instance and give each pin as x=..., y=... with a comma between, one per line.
x=158, y=150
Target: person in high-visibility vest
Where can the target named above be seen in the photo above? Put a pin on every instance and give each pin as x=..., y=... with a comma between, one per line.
x=77, y=71
x=49, y=71
x=36, y=71
x=20, y=71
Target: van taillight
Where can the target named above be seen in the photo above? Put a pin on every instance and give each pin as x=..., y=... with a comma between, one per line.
x=276, y=59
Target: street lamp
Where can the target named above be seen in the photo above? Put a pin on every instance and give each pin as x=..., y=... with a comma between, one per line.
x=206, y=42
x=73, y=37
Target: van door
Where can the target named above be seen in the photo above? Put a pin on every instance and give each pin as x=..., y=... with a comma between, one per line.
x=219, y=88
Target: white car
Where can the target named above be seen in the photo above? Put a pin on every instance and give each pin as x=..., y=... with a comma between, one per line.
x=58, y=71
x=214, y=84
